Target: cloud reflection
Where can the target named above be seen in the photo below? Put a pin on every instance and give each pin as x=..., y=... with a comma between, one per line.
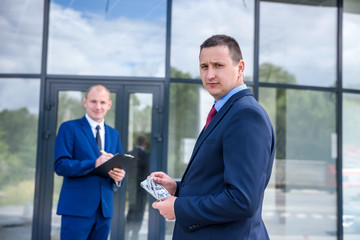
x=99, y=46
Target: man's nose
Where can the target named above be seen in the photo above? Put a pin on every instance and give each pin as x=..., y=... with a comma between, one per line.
x=210, y=73
x=98, y=105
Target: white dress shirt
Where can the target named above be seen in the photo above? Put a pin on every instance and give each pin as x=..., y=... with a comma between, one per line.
x=93, y=125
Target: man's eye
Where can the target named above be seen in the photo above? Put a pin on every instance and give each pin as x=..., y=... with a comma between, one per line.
x=204, y=67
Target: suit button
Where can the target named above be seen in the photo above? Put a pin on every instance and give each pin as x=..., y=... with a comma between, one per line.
x=182, y=184
x=190, y=227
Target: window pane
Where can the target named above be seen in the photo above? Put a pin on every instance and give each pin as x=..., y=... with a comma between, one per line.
x=299, y=41
x=351, y=166
x=107, y=37
x=189, y=106
x=21, y=24
x=194, y=21
x=139, y=145
x=19, y=110
x=300, y=201
x=351, y=44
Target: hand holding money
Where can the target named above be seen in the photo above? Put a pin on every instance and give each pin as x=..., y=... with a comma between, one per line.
x=155, y=189
x=165, y=180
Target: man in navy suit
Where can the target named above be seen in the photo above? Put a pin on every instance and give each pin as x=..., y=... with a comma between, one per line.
x=86, y=201
x=221, y=192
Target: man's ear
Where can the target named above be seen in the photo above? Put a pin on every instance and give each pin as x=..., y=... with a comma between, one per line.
x=110, y=104
x=241, y=66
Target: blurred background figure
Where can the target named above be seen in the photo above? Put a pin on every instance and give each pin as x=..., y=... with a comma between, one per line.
x=137, y=197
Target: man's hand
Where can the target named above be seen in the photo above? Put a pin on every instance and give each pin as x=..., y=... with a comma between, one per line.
x=117, y=174
x=103, y=158
x=168, y=183
x=166, y=207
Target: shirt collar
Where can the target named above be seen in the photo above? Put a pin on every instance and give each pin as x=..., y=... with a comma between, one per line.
x=93, y=124
x=224, y=99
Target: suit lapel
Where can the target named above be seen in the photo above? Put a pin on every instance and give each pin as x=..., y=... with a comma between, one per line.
x=86, y=128
x=214, y=122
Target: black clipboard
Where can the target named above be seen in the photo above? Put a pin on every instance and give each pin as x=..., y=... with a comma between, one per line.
x=117, y=161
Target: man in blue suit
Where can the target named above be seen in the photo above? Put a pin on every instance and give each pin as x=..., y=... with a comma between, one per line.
x=86, y=201
x=221, y=192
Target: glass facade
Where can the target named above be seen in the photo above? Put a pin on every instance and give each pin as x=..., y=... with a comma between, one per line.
x=288, y=45
x=351, y=45
x=201, y=19
x=125, y=38
x=302, y=191
x=304, y=77
x=139, y=145
x=189, y=106
x=19, y=109
x=351, y=166
x=21, y=25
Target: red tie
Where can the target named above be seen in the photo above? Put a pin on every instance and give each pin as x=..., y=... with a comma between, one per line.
x=210, y=116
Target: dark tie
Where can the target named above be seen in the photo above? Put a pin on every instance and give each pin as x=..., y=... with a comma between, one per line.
x=210, y=116
x=98, y=139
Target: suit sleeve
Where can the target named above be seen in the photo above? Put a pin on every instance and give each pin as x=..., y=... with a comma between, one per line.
x=116, y=184
x=65, y=163
x=246, y=147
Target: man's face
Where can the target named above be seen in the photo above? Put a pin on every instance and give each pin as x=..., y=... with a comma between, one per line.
x=97, y=103
x=218, y=73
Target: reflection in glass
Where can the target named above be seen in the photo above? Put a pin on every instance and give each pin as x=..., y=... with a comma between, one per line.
x=202, y=19
x=292, y=52
x=302, y=190
x=351, y=166
x=351, y=44
x=70, y=106
x=189, y=106
x=19, y=109
x=21, y=36
x=94, y=37
x=139, y=145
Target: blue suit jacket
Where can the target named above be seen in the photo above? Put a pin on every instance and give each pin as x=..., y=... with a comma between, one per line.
x=75, y=155
x=222, y=189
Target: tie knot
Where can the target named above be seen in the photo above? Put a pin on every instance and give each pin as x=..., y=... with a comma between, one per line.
x=212, y=112
x=98, y=138
x=210, y=116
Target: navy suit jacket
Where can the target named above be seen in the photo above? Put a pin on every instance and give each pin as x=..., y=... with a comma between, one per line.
x=221, y=192
x=75, y=155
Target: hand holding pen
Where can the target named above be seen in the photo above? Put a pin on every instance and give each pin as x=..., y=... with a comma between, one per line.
x=103, y=158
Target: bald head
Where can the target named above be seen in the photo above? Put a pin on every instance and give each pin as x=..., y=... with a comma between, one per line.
x=97, y=88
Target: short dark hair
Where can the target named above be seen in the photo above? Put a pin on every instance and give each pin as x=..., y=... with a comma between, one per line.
x=141, y=140
x=224, y=40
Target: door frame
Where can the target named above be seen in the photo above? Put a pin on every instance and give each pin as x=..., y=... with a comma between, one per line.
x=44, y=180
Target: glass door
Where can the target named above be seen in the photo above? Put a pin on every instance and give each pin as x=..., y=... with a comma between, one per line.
x=139, y=145
x=136, y=113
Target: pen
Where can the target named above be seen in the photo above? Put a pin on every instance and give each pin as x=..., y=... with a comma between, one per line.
x=103, y=152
